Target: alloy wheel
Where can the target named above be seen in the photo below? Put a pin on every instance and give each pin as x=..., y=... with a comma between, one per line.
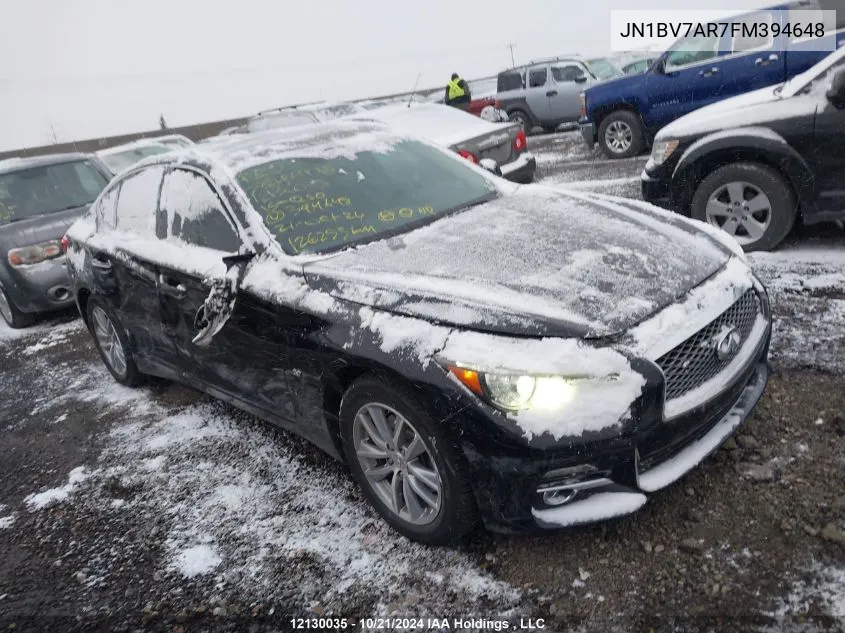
x=619, y=136
x=109, y=341
x=5, y=307
x=741, y=210
x=396, y=463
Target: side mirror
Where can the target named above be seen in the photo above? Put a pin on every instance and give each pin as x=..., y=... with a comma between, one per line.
x=836, y=92
x=490, y=165
x=580, y=79
x=220, y=302
x=660, y=67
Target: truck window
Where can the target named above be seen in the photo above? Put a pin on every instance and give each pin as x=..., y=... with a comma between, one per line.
x=537, y=77
x=512, y=80
x=750, y=34
x=692, y=50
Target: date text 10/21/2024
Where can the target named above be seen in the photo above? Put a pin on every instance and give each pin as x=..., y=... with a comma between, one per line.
x=415, y=624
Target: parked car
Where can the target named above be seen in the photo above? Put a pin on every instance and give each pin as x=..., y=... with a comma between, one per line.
x=545, y=93
x=124, y=156
x=483, y=93
x=470, y=348
x=173, y=140
x=284, y=117
x=639, y=66
x=39, y=199
x=471, y=137
x=754, y=164
x=623, y=115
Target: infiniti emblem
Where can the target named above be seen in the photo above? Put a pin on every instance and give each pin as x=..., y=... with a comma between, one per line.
x=727, y=343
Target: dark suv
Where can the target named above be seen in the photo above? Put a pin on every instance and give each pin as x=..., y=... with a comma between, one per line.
x=39, y=199
x=753, y=164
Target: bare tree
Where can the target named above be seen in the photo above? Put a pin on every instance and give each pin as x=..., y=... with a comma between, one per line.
x=161, y=122
x=54, y=138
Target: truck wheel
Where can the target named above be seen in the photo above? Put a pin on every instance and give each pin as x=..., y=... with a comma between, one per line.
x=621, y=134
x=751, y=202
x=518, y=116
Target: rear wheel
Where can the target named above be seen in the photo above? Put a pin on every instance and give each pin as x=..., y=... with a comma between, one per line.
x=13, y=317
x=751, y=202
x=405, y=464
x=621, y=134
x=112, y=344
x=518, y=116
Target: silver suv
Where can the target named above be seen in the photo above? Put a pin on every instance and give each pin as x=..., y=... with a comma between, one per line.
x=545, y=92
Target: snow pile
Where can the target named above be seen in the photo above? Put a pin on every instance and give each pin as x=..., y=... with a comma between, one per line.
x=6, y=521
x=197, y=560
x=603, y=383
x=41, y=500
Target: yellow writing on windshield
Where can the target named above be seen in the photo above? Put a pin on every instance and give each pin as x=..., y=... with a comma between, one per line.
x=300, y=243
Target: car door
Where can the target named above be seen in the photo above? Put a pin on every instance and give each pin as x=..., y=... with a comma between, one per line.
x=683, y=80
x=537, y=92
x=569, y=80
x=248, y=359
x=828, y=155
x=122, y=259
x=754, y=56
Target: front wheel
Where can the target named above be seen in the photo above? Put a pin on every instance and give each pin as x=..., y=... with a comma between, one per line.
x=518, y=116
x=621, y=134
x=406, y=465
x=751, y=202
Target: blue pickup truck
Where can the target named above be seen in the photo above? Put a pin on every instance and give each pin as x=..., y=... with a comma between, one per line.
x=624, y=114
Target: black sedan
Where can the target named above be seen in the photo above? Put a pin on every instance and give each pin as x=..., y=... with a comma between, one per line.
x=471, y=348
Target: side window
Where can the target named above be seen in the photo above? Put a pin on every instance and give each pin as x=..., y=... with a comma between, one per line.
x=566, y=73
x=105, y=213
x=194, y=213
x=137, y=201
x=537, y=77
x=692, y=50
x=750, y=33
x=512, y=80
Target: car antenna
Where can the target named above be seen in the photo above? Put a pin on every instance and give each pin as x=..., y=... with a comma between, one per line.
x=417, y=83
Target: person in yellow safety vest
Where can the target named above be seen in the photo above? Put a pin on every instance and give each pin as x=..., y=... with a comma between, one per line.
x=457, y=93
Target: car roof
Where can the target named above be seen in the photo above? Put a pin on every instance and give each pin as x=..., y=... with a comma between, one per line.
x=16, y=164
x=545, y=60
x=125, y=147
x=312, y=140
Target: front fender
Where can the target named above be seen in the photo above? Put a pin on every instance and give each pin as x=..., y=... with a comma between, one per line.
x=744, y=144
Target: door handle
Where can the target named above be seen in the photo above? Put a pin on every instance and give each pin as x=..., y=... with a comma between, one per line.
x=551, y=93
x=171, y=288
x=100, y=262
x=765, y=62
x=709, y=73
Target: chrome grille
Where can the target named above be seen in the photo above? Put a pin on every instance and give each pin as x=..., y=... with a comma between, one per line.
x=694, y=362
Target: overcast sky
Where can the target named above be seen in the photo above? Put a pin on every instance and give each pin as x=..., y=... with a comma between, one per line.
x=93, y=68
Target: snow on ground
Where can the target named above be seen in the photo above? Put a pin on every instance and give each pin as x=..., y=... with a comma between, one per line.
x=822, y=592
x=53, y=330
x=5, y=521
x=239, y=505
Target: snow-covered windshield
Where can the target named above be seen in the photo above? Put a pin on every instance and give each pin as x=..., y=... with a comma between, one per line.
x=315, y=205
x=120, y=160
x=602, y=68
x=813, y=76
x=280, y=120
x=48, y=189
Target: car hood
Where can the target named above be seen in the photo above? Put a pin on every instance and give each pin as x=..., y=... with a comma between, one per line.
x=49, y=226
x=753, y=108
x=614, y=85
x=537, y=262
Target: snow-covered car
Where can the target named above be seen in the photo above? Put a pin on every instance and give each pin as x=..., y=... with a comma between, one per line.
x=470, y=136
x=173, y=140
x=471, y=348
x=121, y=157
x=281, y=118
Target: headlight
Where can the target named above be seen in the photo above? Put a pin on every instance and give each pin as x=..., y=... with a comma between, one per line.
x=518, y=392
x=663, y=150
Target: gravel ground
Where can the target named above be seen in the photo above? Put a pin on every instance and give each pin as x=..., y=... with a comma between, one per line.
x=161, y=509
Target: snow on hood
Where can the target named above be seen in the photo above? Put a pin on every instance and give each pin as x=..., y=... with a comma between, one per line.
x=538, y=262
x=752, y=108
x=437, y=123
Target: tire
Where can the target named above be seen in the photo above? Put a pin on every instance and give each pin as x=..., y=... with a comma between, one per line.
x=749, y=180
x=441, y=523
x=13, y=317
x=627, y=128
x=107, y=332
x=518, y=116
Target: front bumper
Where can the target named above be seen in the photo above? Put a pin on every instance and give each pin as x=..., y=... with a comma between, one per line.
x=41, y=287
x=588, y=133
x=655, y=189
x=520, y=170
x=628, y=468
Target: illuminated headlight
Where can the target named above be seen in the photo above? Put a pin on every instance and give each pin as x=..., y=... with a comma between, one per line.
x=663, y=150
x=519, y=392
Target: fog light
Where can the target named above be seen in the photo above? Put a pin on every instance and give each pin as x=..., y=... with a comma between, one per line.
x=558, y=497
